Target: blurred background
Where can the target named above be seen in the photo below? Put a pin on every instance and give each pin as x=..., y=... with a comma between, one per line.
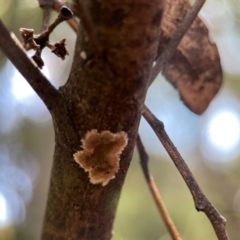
x=210, y=143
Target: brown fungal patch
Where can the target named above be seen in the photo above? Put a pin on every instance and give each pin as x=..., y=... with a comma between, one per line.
x=101, y=155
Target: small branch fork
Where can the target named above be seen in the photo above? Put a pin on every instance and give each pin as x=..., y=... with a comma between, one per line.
x=15, y=52
x=27, y=67
x=200, y=200
x=156, y=195
x=38, y=42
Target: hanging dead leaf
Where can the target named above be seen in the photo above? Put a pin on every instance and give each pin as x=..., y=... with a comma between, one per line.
x=195, y=68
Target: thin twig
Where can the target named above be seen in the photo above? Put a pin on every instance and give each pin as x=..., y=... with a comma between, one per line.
x=200, y=200
x=46, y=18
x=79, y=10
x=46, y=6
x=40, y=41
x=27, y=67
x=89, y=27
x=155, y=193
x=57, y=7
x=172, y=46
x=64, y=15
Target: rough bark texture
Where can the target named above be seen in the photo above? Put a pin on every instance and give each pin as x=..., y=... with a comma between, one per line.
x=103, y=93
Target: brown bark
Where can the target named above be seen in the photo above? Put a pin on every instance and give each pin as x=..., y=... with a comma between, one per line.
x=201, y=202
x=103, y=93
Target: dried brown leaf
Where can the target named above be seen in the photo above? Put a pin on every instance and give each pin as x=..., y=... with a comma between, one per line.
x=195, y=68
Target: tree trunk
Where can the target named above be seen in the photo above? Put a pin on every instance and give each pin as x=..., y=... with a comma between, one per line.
x=103, y=92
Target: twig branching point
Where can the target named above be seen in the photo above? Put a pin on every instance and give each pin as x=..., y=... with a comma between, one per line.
x=85, y=19
x=46, y=17
x=38, y=42
x=26, y=66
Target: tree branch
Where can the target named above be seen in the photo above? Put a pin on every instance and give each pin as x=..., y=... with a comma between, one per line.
x=200, y=200
x=98, y=99
x=171, y=47
x=154, y=191
x=27, y=67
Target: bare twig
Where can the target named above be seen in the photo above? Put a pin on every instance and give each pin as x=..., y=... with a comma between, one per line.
x=79, y=10
x=200, y=200
x=46, y=6
x=57, y=7
x=18, y=56
x=46, y=18
x=38, y=42
x=155, y=193
x=171, y=47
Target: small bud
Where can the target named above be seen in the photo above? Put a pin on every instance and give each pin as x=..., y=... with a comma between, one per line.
x=38, y=60
x=59, y=49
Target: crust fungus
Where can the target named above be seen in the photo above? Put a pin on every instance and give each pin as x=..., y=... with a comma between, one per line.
x=101, y=155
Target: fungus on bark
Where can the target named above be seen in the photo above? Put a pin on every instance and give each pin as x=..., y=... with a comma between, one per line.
x=101, y=155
